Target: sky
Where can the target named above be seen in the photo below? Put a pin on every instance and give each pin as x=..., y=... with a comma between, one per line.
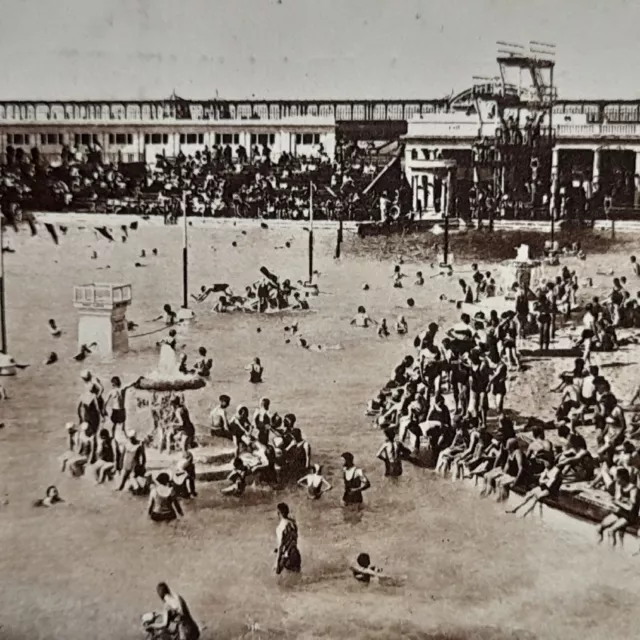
x=139, y=49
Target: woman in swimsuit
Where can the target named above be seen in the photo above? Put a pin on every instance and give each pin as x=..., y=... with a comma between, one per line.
x=163, y=503
x=176, y=615
x=315, y=483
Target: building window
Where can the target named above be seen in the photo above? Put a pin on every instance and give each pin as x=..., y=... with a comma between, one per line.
x=156, y=138
x=236, y=138
x=120, y=138
x=228, y=138
x=18, y=138
x=263, y=139
x=628, y=113
x=307, y=138
x=218, y=139
x=50, y=138
x=201, y=138
x=188, y=138
x=86, y=139
x=298, y=138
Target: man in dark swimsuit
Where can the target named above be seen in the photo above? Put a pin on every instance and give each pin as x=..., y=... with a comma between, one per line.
x=355, y=482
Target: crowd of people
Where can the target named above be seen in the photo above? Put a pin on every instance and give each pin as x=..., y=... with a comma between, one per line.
x=445, y=404
x=216, y=181
x=270, y=293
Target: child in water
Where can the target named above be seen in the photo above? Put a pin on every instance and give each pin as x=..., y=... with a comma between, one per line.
x=401, y=326
x=237, y=479
x=383, y=330
x=362, y=319
x=363, y=570
x=397, y=277
x=51, y=497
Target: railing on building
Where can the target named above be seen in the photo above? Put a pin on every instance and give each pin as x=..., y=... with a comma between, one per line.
x=618, y=130
x=101, y=295
x=169, y=110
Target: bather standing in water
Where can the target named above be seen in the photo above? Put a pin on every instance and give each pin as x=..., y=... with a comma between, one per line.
x=355, y=481
x=315, y=483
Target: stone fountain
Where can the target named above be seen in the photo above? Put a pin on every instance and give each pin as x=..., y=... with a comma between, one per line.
x=519, y=271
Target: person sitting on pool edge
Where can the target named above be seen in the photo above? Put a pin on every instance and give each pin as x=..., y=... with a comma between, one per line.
x=163, y=503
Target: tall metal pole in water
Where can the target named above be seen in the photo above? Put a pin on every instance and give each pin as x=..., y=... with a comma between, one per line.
x=445, y=253
x=185, y=275
x=310, y=232
x=3, y=316
x=554, y=170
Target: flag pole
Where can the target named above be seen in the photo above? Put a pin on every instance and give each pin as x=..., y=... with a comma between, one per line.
x=3, y=317
x=185, y=264
x=310, y=232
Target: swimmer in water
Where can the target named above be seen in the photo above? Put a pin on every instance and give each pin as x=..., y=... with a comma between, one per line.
x=203, y=365
x=401, y=326
x=362, y=319
x=205, y=292
x=383, y=330
x=397, y=277
x=299, y=303
x=315, y=483
x=168, y=315
x=362, y=569
x=53, y=329
x=51, y=497
x=222, y=306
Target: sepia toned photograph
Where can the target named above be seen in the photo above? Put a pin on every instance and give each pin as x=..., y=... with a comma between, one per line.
x=319, y=320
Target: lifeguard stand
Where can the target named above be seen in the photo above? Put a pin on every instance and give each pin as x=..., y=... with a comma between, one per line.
x=102, y=316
